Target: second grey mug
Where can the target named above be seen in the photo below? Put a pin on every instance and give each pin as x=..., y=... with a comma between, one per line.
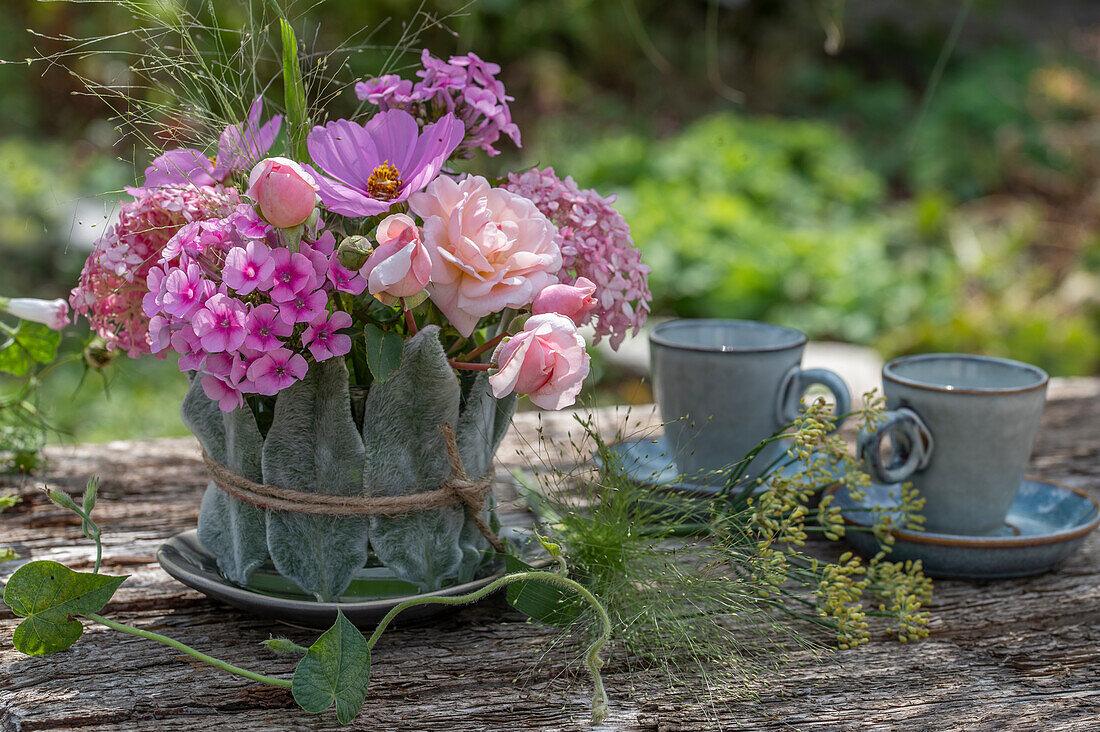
x=961, y=429
x=723, y=386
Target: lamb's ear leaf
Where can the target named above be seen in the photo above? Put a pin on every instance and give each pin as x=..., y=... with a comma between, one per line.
x=336, y=668
x=541, y=601
x=48, y=594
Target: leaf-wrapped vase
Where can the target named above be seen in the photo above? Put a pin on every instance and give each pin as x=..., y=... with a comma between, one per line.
x=314, y=445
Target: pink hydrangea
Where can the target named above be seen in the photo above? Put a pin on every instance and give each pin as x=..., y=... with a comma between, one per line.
x=113, y=282
x=595, y=243
x=465, y=86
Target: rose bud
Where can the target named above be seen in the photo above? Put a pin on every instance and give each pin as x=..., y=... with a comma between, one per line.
x=285, y=193
x=546, y=361
x=400, y=266
x=353, y=252
x=573, y=301
x=51, y=313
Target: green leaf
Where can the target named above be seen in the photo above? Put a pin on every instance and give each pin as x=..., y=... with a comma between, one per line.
x=383, y=351
x=48, y=594
x=335, y=669
x=8, y=501
x=542, y=601
x=30, y=343
x=7, y=554
x=294, y=90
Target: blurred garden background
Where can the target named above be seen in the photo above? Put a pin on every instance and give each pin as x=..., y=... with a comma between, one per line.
x=908, y=176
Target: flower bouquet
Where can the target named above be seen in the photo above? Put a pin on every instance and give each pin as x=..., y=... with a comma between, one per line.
x=356, y=320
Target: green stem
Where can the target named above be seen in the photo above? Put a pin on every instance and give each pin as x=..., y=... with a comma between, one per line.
x=237, y=670
x=592, y=658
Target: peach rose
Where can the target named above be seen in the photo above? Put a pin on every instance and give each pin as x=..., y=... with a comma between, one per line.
x=491, y=249
x=400, y=266
x=546, y=361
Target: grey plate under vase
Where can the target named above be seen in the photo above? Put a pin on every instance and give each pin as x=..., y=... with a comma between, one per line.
x=366, y=601
x=1046, y=523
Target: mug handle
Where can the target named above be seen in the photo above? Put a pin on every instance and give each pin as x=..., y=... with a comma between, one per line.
x=798, y=381
x=912, y=442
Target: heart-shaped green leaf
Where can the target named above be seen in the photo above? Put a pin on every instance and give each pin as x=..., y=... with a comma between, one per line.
x=335, y=669
x=542, y=601
x=30, y=343
x=48, y=594
x=383, y=351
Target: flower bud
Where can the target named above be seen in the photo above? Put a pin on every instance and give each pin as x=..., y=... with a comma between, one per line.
x=51, y=313
x=573, y=301
x=353, y=252
x=97, y=356
x=285, y=193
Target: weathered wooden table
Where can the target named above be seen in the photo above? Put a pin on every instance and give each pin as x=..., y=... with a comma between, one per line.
x=1019, y=654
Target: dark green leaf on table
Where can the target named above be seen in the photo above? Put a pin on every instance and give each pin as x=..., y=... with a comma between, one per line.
x=541, y=601
x=335, y=669
x=48, y=595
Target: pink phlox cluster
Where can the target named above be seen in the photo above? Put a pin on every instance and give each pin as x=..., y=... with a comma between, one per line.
x=465, y=86
x=241, y=310
x=595, y=243
x=112, y=284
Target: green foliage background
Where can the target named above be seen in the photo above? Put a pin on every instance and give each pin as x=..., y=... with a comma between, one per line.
x=856, y=195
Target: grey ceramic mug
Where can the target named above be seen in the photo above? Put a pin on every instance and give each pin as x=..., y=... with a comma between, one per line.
x=961, y=429
x=723, y=386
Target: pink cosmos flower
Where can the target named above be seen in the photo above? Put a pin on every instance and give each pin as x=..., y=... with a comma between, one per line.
x=185, y=289
x=228, y=397
x=219, y=324
x=293, y=273
x=265, y=328
x=400, y=266
x=240, y=146
x=276, y=370
x=546, y=361
x=573, y=301
x=323, y=340
x=285, y=193
x=372, y=166
x=304, y=308
x=248, y=268
x=490, y=249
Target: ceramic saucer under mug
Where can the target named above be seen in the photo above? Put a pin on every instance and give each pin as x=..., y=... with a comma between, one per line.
x=1045, y=524
x=372, y=593
x=649, y=461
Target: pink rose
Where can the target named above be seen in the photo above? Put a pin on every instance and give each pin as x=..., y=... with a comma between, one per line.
x=573, y=301
x=490, y=249
x=546, y=361
x=285, y=193
x=400, y=266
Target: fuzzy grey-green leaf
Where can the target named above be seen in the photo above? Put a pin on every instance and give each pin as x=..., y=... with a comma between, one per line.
x=48, y=594
x=336, y=668
x=313, y=446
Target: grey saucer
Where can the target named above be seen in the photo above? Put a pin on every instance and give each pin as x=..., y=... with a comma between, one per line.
x=372, y=594
x=1045, y=524
x=649, y=461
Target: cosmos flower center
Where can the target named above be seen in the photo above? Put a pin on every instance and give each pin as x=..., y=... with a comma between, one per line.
x=384, y=182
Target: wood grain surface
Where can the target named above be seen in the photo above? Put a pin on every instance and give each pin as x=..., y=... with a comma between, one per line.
x=1015, y=654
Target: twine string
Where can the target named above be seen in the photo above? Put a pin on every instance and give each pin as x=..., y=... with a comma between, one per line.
x=456, y=489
